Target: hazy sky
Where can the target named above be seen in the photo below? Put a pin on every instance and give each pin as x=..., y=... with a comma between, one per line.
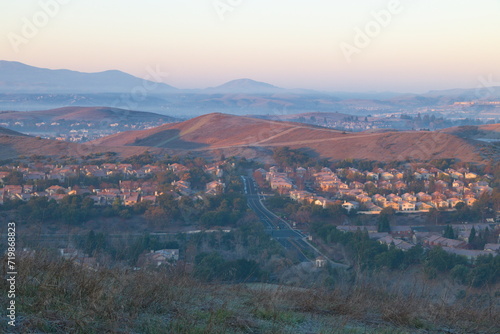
x=424, y=45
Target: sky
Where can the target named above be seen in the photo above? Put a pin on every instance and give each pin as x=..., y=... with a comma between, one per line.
x=330, y=45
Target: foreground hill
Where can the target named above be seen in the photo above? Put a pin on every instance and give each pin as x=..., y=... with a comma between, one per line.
x=94, y=114
x=255, y=138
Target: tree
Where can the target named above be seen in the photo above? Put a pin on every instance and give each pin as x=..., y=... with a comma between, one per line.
x=384, y=219
x=448, y=232
x=472, y=235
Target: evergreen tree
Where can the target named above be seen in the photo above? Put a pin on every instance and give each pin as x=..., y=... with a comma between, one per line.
x=448, y=232
x=472, y=235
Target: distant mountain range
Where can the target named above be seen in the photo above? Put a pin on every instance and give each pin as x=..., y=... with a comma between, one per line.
x=16, y=77
x=24, y=87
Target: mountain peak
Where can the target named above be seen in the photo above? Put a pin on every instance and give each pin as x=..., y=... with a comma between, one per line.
x=245, y=85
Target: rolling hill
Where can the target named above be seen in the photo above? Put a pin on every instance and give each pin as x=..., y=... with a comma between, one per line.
x=94, y=114
x=255, y=138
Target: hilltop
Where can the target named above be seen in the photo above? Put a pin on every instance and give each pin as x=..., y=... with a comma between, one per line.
x=255, y=138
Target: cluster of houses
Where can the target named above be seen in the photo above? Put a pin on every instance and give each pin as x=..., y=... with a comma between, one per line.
x=388, y=188
x=77, y=130
x=129, y=192
x=406, y=237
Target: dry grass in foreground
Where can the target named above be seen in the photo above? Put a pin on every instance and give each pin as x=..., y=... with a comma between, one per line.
x=59, y=297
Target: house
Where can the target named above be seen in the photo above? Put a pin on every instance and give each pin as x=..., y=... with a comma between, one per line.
x=55, y=190
x=440, y=204
x=423, y=197
x=454, y=201
x=419, y=237
x=398, y=243
x=299, y=195
x=23, y=197
x=372, y=207
x=492, y=248
x=320, y=262
x=177, y=168
x=393, y=205
x=401, y=231
x=379, y=199
x=357, y=185
x=215, y=188
x=11, y=191
x=184, y=187
x=409, y=197
x=441, y=184
x=470, y=201
x=470, y=175
x=385, y=185
x=437, y=240
x=394, y=198
x=421, y=206
x=349, y=206
x=386, y=176
x=163, y=256
x=281, y=183
x=34, y=176
x=406, y=206
x=399, y=185
x=28, y=189
x=130, y=199
x=68, y=253
x=362, y=198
